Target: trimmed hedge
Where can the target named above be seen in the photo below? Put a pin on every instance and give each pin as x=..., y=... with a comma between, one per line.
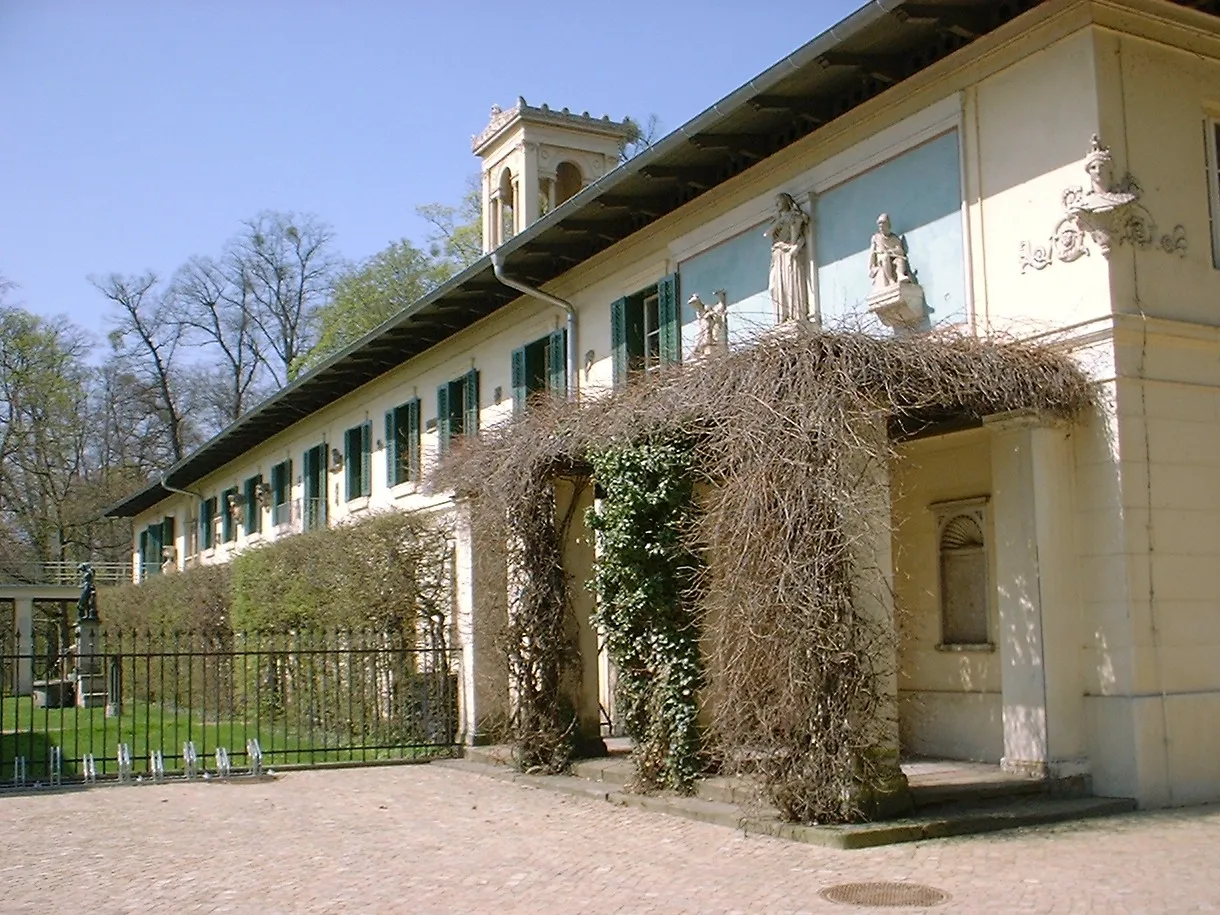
x=387, y=573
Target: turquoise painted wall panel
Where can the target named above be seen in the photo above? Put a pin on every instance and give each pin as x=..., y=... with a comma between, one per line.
x=740, y=266
x=921, y=191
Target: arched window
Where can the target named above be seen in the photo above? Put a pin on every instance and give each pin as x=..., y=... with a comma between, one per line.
x=568, y=181
x=964, y=579
x=507, y=218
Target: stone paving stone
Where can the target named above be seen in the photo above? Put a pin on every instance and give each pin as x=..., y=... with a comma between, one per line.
x=423, y=839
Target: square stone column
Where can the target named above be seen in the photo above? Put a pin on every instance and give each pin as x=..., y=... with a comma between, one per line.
x=871, y=529
x=481, y=596
x=572, y=500
x=1033, y=517
x=23, y=615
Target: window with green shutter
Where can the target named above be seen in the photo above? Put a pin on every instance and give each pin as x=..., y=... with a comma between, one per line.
x=207, y=524
x=313, y=483
x=357, y=448
x=457, y=409
x=254, y=510
x=646, y=330
x=402, y=437
x=539, y=367
x=168, y=538
x=228, y=519
x=281, y=493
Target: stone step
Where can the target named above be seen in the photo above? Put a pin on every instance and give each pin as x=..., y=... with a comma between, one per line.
x=1005, y=813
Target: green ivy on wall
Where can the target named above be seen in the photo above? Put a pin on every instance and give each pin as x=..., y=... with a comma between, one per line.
x=643, y=577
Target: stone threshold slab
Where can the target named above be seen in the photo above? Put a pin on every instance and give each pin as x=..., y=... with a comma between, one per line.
x=1009, y=814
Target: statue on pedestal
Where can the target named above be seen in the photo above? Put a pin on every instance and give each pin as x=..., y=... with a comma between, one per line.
x=86, y=605
x=887, y=257
x=789, y=279
x=896, y=298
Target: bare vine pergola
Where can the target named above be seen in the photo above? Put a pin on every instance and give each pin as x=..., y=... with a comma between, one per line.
x=790, y=442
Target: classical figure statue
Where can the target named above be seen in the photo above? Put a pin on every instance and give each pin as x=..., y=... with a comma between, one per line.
x=86, y=606
x=887, y=257
x=789, y=279
x=713, y=324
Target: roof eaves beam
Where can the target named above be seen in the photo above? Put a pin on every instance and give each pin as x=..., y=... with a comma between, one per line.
x=814, y=110
x=634, y=204
x=964, y=21
x=699, y=178
x=751, y=145
x=886, y=68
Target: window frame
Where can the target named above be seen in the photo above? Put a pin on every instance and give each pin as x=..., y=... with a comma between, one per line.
x=207, y=523
x=228, y=522
x=540, y=367
x=314, y=507
x=977, y=509
x=252, y=522
x=646, y=330
x=457, y=410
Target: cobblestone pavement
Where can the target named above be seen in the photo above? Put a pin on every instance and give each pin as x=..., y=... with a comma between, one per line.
x=423, y=839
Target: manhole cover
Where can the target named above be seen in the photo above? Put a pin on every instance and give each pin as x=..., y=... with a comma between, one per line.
x=895, y=895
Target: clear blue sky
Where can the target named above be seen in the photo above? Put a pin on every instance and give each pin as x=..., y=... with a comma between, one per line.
x=135, y=135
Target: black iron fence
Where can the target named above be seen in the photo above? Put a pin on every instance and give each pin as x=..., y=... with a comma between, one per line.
x=145, y=705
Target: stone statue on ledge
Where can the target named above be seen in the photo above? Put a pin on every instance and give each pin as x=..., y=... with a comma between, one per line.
x=713, y=324
x=789, y=279
x=887, y=257
x=896, y=298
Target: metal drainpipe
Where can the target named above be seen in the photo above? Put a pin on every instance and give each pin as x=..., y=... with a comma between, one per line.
x=497, y=263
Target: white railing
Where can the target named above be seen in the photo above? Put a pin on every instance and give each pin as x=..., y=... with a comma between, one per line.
x=65, y=573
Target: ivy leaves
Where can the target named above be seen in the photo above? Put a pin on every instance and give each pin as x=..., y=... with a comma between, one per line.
x=643, y=578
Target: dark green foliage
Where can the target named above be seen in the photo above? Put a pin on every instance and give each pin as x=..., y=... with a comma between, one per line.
x=197, y=600
x=643, y=579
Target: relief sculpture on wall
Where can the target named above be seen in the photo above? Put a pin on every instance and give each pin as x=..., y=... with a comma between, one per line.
x=1107, y=212
x=896, y=298
x=789, y=279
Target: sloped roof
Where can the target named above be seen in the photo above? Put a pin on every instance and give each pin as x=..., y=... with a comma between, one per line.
x=874, y=49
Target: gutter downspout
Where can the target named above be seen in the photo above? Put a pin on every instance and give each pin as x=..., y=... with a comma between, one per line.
x=497, y=263
x=185, y=533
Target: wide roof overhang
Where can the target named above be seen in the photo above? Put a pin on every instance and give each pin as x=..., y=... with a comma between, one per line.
x=874, y=49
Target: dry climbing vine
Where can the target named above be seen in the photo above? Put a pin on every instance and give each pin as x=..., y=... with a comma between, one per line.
x=790, y=442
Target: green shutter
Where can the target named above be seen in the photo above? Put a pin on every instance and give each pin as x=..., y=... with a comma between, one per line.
x=167, y=532
x=669, y=313
x=520, y=387
x=391, y=448
x=366, y=459
x=618, y=340
x=413, y=439
x=557, y=346
x=143, y=553
x=471, y=424
x=442, y=418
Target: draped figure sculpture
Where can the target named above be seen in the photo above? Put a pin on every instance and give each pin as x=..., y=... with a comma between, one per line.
x=789, y=279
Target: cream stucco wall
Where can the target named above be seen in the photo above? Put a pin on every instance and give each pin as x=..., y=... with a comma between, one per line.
x=949, y=700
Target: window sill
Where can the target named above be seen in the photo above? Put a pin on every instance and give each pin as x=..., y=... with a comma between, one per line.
x=402, y=490
x=358, y=504
x=966, y=646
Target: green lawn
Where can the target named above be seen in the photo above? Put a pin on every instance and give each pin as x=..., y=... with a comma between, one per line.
x=31, y=732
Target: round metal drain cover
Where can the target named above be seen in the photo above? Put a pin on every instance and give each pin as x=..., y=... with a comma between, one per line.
x=893, y=895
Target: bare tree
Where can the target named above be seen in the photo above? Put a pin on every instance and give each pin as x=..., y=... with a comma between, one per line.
x=146, y=340
x=288, y=266
x=216, y=311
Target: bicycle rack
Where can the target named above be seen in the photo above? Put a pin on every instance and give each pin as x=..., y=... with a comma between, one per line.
x=156, y=765
x=190, y=759
x=55, y=766
x=89, y=769
x=124, y=764
x=19, y=771
x=222, y=762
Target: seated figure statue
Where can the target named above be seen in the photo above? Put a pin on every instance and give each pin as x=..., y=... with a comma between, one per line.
x=887, y=258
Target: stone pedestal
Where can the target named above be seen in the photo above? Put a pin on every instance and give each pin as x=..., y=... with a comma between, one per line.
x=90, y=677
x=1037, y=593
x=900, y=306
x=24, y=607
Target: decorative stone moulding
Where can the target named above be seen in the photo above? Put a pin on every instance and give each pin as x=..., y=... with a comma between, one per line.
x=1106, y=213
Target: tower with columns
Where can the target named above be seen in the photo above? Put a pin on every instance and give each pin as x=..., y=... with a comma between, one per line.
x=535, y=158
